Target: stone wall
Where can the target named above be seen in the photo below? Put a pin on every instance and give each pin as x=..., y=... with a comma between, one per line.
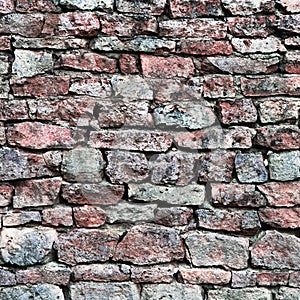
x=150, y=149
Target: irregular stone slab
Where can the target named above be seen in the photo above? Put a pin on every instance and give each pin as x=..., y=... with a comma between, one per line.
x=39, y=291
x=155, y=7
x=286, y=293
x=174, y=195
x=284, y=166
x=86, y=245
x=33, y=193
x=150, y=244
x=172, y=291
x=276, y=250
x=89, y=216
x=130, y=212
x=237, y=294
x=213, y=249
x=96, y=290
x=83, y=165
x=101, y=272
x=290, y=23
x=20, y=218
x=26, y=246
x=173, y=216
x=88, y=4
x=58, y=216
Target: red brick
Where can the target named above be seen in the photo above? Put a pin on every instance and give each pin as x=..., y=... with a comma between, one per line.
x=272, y=279
x=6, y=6
x=216, y=166
x=271, y=85
x=264, y=45
x=101, y=272
x=205, y=276
x=239, y=111
x=153, y=274
x=277, y=109
x=22, y=24
x=120, y=25
x=278, y=137
x=236, y=195
x=57, y=216
x=215, y=137
x=86, y=245
x=5, y=43
x=83, y=24
x=20, y=218
x=131, y=139
x=35, y=135
x=275, y=250
x=26, y=6
x=167, y=67
x=150, y=244
x=13, y=110
x=195, y=8
x=193, y=28
x=128, y=64
x=218, y=86
x=256, y=26
x=88, y=62
x=155, y=7
x=281, y=217
x=205, y=47
x=89, y=216
x=6, y=193
x=281, y=193
x=95, y=194
x=40, y=192
x=243, y=221
x=292, y=62
x=173, y=216
x=41, y=86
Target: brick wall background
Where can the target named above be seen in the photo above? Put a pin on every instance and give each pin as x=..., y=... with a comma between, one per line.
x=150, y=149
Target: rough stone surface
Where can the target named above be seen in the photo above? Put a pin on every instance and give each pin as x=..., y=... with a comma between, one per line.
x=218, y=86
x=155, y=7
x=150, y=244
x=286, y=293
x=26, y=246
x=20, y=218
x=250, y=168
x=172, y=291
x=6, y=194
x=173, y=216
x=154, y=274
x=213, y=249
x=83, y=165
x=245, y=8
x=86, y=245
x=88, y=4
x=276, y=250
x=89, y=216
x=57, y=216
x=284, y=166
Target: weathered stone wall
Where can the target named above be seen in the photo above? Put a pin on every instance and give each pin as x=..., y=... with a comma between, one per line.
x=150, y=149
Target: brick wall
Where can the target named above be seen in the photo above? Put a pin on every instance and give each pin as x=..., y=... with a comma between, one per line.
x=150, y=149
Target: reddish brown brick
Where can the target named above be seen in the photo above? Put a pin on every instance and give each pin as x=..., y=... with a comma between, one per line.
x=23, y=24
x=86, y=245
x=89, y=216
x=35, y=135
x=6, y=6
x=281, y=217
x=41, y=86
x=281, y=193
x=57, y=216
x=278, y=137
x=167, y=67
x=83, y=24
x=205, y=276
x=195, y=8
x=26, y=6
x=240, y=111
x=218, y=86
x=271, y=85
x=292, y=62
x=88, y=62
x=6, y=193
x=120, y=25
x=13, y=110
x=256, y=26
x=193, y=28
x=128, y=64
x=205, y=47
x=240, y=195
x=5, y=43
x=102, y=272
x=150, y=244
